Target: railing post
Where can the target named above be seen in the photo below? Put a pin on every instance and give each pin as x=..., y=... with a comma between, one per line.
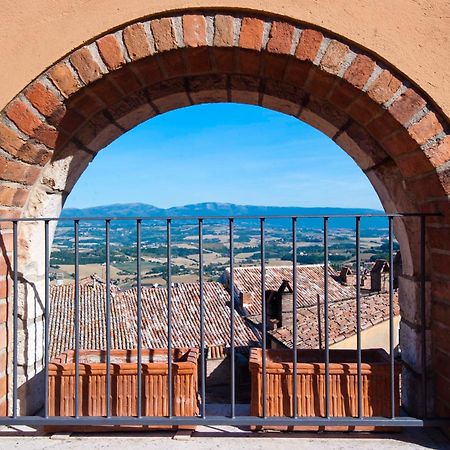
x=169, y=315
x=294, y=318
x=77, y=317
x=202, y=320
x=264, y=318
x=358, y=313
x=139, y=317
x=232, y=349
x=423, y=315
x=46, y=313
x=327, y=340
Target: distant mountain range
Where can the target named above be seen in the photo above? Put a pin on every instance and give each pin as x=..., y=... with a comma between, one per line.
x=229, y=210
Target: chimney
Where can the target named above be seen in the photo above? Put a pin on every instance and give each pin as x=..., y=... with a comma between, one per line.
x=379, y=276
x=245, y=299
x=279, y=305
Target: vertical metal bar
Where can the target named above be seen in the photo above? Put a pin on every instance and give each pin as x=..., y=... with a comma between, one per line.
x=15, y=314
x=169, y=316
x=108, y=317
x=264, y=318
x=358, y=312
x=139, y=317
x=391, y=317
x=319, y=322
x=202, y=319
x=232, y=354
x=46, y=311
x=294, y=317
x=327, y=343
x=76, y=225
x=423, y=314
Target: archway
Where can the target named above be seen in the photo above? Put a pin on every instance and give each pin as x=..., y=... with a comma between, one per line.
x=53, y=128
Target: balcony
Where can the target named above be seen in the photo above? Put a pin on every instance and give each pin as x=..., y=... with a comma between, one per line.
x=254, y=334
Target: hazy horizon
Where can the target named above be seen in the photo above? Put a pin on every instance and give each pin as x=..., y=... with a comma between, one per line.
x=231, y=153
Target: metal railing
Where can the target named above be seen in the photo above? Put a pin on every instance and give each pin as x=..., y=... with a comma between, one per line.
x=232, y=418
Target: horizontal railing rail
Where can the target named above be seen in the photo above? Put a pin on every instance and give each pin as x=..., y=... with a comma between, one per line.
x=138, y=417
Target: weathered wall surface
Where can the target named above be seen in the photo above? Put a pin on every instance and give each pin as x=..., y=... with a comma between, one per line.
x=411, y=34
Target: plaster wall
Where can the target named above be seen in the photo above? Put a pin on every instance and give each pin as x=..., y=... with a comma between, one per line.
x=411, y=34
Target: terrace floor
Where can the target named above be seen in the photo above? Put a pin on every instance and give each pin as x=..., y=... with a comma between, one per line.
x=221, y=437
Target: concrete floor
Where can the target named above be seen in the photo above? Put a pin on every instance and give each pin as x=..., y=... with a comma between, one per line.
x=225, y=438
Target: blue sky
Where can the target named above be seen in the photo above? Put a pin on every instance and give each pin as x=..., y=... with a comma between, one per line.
x=224, y=153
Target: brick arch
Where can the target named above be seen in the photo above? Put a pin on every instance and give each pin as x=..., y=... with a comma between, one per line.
x=52, y=130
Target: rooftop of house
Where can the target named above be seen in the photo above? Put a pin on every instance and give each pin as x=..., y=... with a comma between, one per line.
x=185, y=318
x=341, y=321
x=310, y=284
x=310, y=292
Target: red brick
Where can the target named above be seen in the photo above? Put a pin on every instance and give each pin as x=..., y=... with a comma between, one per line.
x=9, y=140
x=16, y=171
x=98, y=132
x=84, y=63
x=334, y=57
x=3, y=310
x=319, y=83
x=111, y=52
x=399, y=143
x=163, y=34
x=343, y=94
x=309, y=45
x=439, y=153
x=149, y=71
x=415, y=164
x=249, y=62
x=64, y=79
x=408, y=104
x=327, y=112
x=297, y=72
x=440, y=312
x=364, y=109
x=48, y=136
x=126, y=80
x=359, y=71
x=194, y=30
x=3, y=386
x=251, y=34
x=10, y=196
x=34, y=154
x=439, y=238
x=224, y=59
x=30, y=124
x=23, y=117
x=106, y=92
x=273, y=66
x=384, y=87
x=71, y=121
x=427, y=127
x=224, y=31
x=198, y=61
x=3, y=332
x=136, y=41
x=85, y=104
x=4, y=408
x=440, y=288
x=45, y=101
x=424, y=189
x=3, y=359
x=280, y=39
x=173, y=64
x=382, y=126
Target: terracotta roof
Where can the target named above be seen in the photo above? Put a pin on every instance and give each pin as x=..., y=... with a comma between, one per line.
x=341, y=319
x=310, y=283
x=185, y=314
